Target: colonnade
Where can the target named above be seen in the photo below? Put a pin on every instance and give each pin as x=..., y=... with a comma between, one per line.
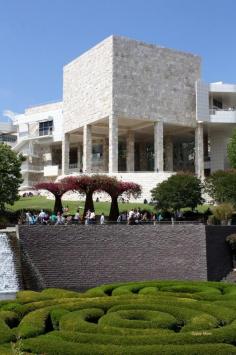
x=110, y=149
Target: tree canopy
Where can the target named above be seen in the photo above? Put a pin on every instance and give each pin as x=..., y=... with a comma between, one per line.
x=179, y=191
x=57, y=189
x=10, y=175
x=221, y=186
x=97, y=183
x=231, y=148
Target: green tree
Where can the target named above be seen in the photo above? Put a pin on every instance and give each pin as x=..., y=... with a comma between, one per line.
x=179, y=191
x=10, y=175
x=231, y=148
x=221, y=186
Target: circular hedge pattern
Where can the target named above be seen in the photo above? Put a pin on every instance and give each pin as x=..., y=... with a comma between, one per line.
x=159, y=317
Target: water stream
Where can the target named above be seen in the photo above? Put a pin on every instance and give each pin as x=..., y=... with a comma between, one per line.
x=8, y=278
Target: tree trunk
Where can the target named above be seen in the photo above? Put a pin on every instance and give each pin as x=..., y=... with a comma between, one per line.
x=88, y=203
x=114, y=210
x=58, y=204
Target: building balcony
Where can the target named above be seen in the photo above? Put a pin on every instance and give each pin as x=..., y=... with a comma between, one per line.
x=37, y=133
x=30, y=168
x=225, y=115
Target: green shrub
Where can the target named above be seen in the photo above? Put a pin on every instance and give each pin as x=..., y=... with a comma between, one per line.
x=154, y=317
x=223, y=212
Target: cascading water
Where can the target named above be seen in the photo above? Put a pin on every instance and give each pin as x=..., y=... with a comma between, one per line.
x=8, y=277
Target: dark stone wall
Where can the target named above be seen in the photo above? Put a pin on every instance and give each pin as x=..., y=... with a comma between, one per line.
x=219, y=259
x=80, y=257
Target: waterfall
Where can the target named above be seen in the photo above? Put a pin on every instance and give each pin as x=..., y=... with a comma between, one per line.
x=8, y=277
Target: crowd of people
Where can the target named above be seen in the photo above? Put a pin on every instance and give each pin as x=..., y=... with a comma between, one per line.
x=134, y=216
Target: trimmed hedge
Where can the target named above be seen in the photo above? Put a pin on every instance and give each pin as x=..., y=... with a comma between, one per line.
x=158, y=317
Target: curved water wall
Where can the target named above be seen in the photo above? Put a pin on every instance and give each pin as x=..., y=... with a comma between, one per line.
x=8, y=276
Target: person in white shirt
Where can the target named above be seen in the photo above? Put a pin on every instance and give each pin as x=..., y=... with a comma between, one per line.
x=60, y=218
x=130, y=216
x=92, y=217
x=41, y=216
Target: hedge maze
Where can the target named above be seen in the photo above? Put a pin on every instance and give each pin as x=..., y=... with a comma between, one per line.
x=159, y=317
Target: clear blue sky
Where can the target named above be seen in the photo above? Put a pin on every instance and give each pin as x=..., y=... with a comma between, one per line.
x=37, y=37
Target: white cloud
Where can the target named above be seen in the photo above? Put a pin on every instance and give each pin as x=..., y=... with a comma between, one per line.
x=10, y=114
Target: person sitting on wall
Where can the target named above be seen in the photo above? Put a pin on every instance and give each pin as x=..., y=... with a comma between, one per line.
x=131, y=217
x=46, y=218
x=92, y=218
x=87, y=217
x=41, y=216
x=53, y=218
x=77, y=216
x=69, y=219
x=60, y=218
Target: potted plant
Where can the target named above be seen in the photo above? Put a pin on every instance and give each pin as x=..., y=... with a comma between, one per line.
x=223, y=213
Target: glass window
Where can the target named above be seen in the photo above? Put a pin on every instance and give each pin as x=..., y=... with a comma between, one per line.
x=97, y=151
x=45, y=128
x=7, y=138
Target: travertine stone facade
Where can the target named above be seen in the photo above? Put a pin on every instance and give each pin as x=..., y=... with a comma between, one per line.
x=199, y=153
x=65, y=153
x=151, y=82
x=87, y=148
x=122, y=86
x=130, y=79
x=87, y=86
x=158, y=146
x=44, y=108
x=113, y=144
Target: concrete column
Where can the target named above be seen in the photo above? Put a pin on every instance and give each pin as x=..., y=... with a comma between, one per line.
x=79, y=154
x=87, y=149
x=130, y=151
x=113, y=144
x=169, y=153
x=105, y=154
x=65, y=153
x=199, y=150
x=158, y=146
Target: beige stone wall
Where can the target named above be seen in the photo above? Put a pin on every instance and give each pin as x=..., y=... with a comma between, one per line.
x=151, y=82
x=130, y=79
x=87, y=87
x=44, y=108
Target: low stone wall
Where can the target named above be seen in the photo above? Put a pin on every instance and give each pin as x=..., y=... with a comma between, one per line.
x=80, y=257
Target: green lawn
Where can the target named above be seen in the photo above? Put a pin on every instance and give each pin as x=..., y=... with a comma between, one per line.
x=39, y=202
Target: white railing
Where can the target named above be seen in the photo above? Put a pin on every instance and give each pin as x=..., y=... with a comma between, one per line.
x=28, y=167
x=214, y=111
x=36, y=133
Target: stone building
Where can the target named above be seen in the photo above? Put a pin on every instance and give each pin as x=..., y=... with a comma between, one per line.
x=133, y=110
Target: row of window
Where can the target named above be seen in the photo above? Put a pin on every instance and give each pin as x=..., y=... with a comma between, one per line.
x=7, y=138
